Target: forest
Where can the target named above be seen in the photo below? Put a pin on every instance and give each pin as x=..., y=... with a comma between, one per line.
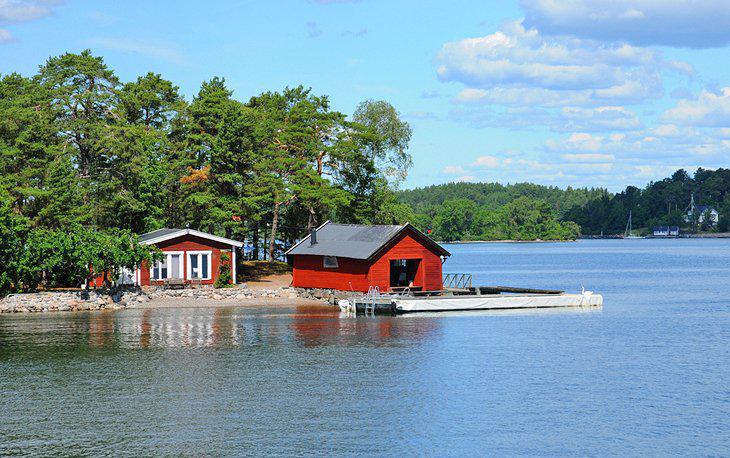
x=88, y=161
x=526, y=211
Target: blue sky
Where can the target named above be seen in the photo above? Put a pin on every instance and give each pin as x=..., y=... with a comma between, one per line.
x=558, y=92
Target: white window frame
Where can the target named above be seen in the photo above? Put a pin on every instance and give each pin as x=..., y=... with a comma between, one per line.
x=190, y=254
x=330, y=262
x=168, y=260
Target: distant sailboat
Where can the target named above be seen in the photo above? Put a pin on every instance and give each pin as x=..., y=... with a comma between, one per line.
x=627, y=233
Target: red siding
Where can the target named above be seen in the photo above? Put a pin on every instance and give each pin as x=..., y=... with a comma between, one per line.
x=359, y=275
x=189, y=243
x=309, y=272
x=428, y=275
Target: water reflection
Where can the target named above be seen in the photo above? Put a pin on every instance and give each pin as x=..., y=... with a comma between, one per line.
x=218, y=327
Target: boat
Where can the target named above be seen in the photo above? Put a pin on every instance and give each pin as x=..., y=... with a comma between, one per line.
x=628, y=233
x=481, y=298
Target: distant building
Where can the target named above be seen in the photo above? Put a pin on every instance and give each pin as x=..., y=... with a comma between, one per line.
x=666, y=231
x=702, y=212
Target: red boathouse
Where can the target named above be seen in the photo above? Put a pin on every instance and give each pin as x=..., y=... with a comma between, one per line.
x=356, y=257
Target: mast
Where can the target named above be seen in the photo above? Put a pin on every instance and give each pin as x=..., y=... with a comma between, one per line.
x=627, y=233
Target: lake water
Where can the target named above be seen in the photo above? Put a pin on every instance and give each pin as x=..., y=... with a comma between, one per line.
x=648, y=374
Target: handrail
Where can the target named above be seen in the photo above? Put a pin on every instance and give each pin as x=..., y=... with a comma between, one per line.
x=457, y=281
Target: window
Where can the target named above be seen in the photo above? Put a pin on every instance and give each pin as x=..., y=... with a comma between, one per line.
x=330, y=262
x=199, y=265
x=170, y=266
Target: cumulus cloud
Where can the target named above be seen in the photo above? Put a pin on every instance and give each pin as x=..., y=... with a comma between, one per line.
x=647, y=146
x=17, y=11
x=709, y=109
x=681, y=23
x=565, y=119
x=519, y=56
x=520, y=67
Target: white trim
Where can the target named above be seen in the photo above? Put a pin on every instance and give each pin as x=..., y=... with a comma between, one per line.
x=306, y=238
x=181, y=232
x=198, y=254
x=233, y=263
x=168, y=261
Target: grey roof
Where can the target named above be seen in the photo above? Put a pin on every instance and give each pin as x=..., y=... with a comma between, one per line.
x=355, y=241
x=157, y=233
x=166, y=234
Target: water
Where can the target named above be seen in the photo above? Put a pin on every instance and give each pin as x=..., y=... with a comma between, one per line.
x=645, y=375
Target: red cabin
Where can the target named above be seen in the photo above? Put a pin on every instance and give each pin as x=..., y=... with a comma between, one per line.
x=190, y=256
x=352, y=257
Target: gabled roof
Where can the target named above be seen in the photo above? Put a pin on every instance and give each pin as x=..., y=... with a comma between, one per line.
x=357, y=241
x=161, y=235
x=704, y=208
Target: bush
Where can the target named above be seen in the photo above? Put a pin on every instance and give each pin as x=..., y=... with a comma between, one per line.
x=224, y=272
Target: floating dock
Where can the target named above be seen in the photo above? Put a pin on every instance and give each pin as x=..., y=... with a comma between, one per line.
x=465, y=301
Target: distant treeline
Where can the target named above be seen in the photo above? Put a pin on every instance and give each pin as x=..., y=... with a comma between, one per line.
x=525, y=211
x=83, y=152
x=660, y=203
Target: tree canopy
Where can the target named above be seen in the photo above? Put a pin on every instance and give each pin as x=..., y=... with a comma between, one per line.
x=82, y=152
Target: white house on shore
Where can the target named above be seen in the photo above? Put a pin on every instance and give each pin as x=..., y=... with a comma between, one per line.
x=702, y=212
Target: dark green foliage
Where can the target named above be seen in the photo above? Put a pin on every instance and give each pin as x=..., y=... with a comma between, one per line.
x=521, y=219
x=661, y=203
x=83, y=154
x=224, y=272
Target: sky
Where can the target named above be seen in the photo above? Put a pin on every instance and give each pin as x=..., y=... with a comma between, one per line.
x=557, y=92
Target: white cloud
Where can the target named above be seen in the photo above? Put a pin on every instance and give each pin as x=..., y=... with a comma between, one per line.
x=454, y=170
x=588, y=157
x=489, y=162
x=22, y=10
x=17, y=11
x=683, y=23
x=601, y=118
x=519, y=56
x=709, y=109
x=520, y=67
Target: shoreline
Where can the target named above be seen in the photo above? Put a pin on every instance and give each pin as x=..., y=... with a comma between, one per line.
x=507, y=241
x=136, y=297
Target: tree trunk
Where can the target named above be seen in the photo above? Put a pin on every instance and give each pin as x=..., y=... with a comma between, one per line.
x=255, y=241
x=274, y=224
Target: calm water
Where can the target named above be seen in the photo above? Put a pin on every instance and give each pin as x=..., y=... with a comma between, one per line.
x=646, y=375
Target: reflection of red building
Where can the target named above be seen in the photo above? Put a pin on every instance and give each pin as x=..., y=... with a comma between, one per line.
x=357, y=257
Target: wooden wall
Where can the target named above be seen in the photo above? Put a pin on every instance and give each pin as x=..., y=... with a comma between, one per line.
x=405, y=246
x=190, y=243
x=359, y=275
x=309, y=272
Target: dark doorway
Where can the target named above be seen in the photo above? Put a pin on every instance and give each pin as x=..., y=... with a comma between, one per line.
x=403, y=272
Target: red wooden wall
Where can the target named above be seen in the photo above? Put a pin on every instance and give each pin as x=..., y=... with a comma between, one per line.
x=309, y=272
x=189, y=243
x=405, y=246
x=359, y=275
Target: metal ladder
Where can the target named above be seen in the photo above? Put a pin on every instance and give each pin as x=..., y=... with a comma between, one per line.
x=370, y=300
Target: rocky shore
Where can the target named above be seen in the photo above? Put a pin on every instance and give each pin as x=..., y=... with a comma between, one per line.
x=120, y=298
